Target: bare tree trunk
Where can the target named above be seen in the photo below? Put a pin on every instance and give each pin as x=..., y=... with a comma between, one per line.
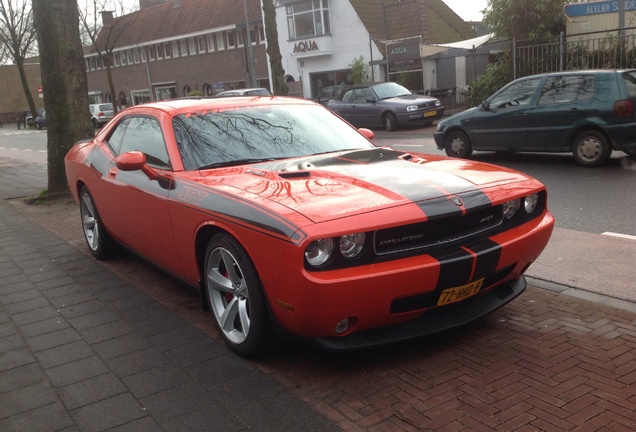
x=25, y=87
x=273, y=49
x=63, y=82
x=111, y=88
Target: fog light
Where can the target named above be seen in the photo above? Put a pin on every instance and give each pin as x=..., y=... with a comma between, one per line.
x=342, y=326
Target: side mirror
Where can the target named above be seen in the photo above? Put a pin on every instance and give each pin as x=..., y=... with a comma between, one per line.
x=134, y=161
x=485, y=105
x=368, y=133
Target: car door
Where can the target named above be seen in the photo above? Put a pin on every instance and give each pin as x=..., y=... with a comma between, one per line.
x=136, y=206
x=501, y=123
x=367, y=112
x=346, y=107
x=563, y=100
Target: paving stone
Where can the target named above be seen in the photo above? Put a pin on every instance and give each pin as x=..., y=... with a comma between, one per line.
x=44, y=326
x=121, y=409
x=11, y=342
x=15, y=358
x=63, y=291
x=27, y=305
x=64, y=354
x=130, y=302
x=7, y=329
x=51, y=283
x=196, y=352
x=76, y=371
x=19, y=296
x=121, y=345
x=20, y=377
x=219, y=369
x=93, y=320
x=91, y=390
x=246, y=388
x=89, y=307
x=106, y=331
x=152, y=381
x=72, y=299
x=202, y=418
x=160, y=324
x=144, y=312
x=145, y=424
x=26, y=398
x=171, y=339
x=178, y=401
x=35, y=315
x=53, y=339
x=53, y=417
x=138, y=361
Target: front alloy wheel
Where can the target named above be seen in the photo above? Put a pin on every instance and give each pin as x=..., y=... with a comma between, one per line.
x=235, y=296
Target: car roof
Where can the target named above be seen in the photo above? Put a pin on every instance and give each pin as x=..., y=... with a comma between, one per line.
x=578, y=72
x=190, y=104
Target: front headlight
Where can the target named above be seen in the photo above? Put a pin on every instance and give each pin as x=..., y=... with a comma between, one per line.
x=319, y=251
x=438, y=103
x=352, y=244
x=411, y=108
x=511, y=207
x=530, y=202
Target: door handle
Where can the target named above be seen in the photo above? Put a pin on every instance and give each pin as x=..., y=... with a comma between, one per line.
x=112, y=173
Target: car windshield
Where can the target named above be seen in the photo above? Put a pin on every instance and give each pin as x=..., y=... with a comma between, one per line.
x=257, y=133
x=389, y=90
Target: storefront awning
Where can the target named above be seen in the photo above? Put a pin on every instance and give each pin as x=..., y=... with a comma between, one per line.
x=468, y=44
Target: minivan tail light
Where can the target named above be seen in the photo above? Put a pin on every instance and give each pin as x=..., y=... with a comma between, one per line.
x=624, y=108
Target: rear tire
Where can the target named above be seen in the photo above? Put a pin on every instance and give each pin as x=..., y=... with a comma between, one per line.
x=457, y=144
x=591, y=148
x=99, y=242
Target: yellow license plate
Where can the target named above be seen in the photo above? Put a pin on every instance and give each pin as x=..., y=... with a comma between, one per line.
x=430, y=113
x=452, y=295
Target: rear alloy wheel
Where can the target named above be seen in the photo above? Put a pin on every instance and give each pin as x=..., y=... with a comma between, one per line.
x=390, y=122
x=591, y=149
x=235, y=296
x=99, y=242
x=95, y=124
x=456, y=144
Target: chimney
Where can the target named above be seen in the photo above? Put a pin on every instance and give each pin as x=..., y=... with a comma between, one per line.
x=107, y=16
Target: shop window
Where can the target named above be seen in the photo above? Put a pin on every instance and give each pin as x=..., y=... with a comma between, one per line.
x=140, y=96
x=308, y=18
x=165, y=93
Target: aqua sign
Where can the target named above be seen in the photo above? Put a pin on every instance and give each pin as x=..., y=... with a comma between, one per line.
x=597, y=8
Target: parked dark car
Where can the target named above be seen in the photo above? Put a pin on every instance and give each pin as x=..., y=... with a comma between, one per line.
x=40, y=121
x=387, y=105
x=588, y=113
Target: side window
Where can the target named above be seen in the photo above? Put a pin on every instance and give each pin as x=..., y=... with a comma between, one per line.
x=517, y=94
x=563, y=89
x=348, y=96
x=363, y=94
x=144, y=134
x=116, y=138
x=630, y=83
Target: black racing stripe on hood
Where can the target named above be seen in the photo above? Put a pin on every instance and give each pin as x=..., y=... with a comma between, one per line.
x=392, y=171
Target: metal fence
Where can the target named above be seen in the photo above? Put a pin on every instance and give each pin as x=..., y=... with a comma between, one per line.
x=612, y=49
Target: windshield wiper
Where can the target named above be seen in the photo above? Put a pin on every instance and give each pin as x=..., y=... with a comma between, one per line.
x=237, y=162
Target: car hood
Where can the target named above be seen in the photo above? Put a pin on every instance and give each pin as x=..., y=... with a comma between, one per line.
x=408, y=99
x=328, y=187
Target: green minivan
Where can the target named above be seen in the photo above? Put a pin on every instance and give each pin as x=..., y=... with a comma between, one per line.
x=587, y=113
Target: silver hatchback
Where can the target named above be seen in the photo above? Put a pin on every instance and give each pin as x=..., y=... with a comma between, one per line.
x=101, y=114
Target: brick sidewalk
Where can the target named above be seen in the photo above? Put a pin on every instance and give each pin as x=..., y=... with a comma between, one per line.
x=546, y=361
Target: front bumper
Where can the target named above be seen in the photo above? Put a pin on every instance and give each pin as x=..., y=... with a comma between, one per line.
x=434, y=321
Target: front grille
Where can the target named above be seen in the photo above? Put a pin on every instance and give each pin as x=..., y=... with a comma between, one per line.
x=436, y=232
x=427, y=105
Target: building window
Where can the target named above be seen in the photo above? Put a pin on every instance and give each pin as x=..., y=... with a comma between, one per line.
x=167, y=50
x=116, y=59
x=184, y=47
x=151, y=52
x=160, y=53
x=230, y=39
x=143, y=55
x=129, y=56
x=165, y=93
x=241, y=37
x=254, y=35
x=122, y=55
x=261, y=33
x=201, y=44
x=193, y=45
x=220, y=42
x=136, y=55
x=187, y=90
x=308, y=18
x=140, y=96
x=175, y=49
x=210, y=39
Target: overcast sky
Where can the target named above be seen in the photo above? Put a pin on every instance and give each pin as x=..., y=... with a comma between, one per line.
x=468, y=10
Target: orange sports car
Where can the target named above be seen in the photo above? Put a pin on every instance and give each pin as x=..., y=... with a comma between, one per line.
x=290, y=221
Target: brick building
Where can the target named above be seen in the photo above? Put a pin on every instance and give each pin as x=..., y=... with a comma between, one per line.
x=13, y=102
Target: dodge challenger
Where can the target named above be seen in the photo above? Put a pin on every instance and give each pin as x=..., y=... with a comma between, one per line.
x=291, y=222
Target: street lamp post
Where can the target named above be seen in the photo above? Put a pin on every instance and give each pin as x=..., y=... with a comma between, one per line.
x=250, y=52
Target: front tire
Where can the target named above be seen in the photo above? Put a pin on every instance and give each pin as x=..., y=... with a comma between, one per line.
x=390, y=122
x=99, y=242
x=591, y=149
x=457, y=144
x=235, y=296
